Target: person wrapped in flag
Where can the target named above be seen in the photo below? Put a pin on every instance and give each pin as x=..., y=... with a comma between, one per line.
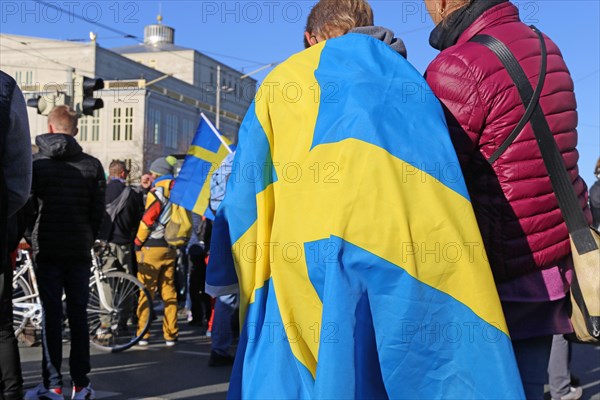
x=349, y=231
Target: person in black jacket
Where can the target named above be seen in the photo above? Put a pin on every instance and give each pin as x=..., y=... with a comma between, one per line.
x=68, y=200
x=124, y=211
x=15, y=184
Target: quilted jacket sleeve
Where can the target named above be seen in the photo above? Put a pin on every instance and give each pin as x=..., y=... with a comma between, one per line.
x=457, y=88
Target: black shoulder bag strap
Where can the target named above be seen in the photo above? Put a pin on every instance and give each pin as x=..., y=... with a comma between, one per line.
x=529, y=97
x=559, y=177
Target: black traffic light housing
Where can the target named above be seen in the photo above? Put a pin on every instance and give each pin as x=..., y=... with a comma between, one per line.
x=85, y=102
x=46, y=103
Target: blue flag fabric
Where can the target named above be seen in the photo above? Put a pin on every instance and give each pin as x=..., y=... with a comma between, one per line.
x=192, y=185
x=348, y=230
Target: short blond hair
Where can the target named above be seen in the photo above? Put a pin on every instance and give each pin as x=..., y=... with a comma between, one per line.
x=63, y=119
x=333, y=18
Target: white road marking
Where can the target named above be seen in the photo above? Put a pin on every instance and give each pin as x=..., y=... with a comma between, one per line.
x=191, y=393
x=589, y=385
x=195, y=353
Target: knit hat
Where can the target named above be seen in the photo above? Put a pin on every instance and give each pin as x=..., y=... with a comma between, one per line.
x=163, y=166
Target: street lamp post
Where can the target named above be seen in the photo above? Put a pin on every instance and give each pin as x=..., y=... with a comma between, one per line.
x=221, y=87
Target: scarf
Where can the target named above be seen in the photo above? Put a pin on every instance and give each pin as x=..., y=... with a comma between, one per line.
x=447, y=32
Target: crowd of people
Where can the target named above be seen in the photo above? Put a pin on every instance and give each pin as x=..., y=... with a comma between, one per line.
x=62, y=201
x=71, y=207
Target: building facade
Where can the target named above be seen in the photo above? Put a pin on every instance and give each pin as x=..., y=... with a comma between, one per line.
x=153, y=96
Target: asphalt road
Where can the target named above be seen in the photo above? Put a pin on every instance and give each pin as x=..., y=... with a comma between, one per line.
x=153, y=372
x=585, y=364
x=182, y=372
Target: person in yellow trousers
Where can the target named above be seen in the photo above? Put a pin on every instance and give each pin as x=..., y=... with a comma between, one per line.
x=156, y=260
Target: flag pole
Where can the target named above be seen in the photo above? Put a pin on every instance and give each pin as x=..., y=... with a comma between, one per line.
x=216, y=132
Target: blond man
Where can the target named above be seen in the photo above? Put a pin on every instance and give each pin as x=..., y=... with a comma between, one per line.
x=68, y=197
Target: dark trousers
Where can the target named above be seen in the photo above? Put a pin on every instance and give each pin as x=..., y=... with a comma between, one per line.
x=533, y=356
x=181, y=276
x=74, y=279
x=200, y=300
x=11, y=382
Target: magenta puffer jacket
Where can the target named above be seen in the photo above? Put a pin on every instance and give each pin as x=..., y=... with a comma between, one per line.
x=517, y=211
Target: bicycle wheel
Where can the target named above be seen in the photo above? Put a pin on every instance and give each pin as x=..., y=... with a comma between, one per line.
x=109, y=321
x=26, y=313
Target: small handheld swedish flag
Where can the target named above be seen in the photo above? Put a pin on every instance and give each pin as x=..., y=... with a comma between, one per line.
x=207, y=151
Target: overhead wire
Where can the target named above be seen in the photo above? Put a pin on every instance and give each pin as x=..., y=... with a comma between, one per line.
x=36, y=67
x=587, y=76
x=80, y=17
x=139, y=40
x=41, y=55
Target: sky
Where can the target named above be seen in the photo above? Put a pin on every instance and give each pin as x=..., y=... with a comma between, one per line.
x=249, y=34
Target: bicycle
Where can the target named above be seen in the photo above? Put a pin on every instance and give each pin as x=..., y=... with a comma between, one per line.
x=110, y=304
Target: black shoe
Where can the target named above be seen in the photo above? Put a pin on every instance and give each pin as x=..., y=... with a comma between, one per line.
x=575, y=381
x=122, y=331
x=218, y=360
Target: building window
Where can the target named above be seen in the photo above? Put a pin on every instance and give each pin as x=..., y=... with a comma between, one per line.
x=154, y=129
x=24, y=78
x=83, y=129
x=123, y=124
x=171, y=132
x=129, y=123
x=188, y=131
x=168, y=130
x=116, y=124
x=89, y=127
x=96, y=127
x=175, y=135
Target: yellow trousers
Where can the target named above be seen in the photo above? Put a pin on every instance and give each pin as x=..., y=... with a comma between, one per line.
x=156, y=270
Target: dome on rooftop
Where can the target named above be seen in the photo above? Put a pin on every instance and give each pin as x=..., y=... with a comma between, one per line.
x=158, y=34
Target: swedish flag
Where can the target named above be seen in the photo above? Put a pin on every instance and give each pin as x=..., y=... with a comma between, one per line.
x=349, y=231
x=192, y=186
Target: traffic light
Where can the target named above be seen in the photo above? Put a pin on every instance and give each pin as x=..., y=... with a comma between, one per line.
x=45, y=104
x=85, y=103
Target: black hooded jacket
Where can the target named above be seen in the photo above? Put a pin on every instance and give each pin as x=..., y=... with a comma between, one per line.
x=122, y=231
x=68, y=200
